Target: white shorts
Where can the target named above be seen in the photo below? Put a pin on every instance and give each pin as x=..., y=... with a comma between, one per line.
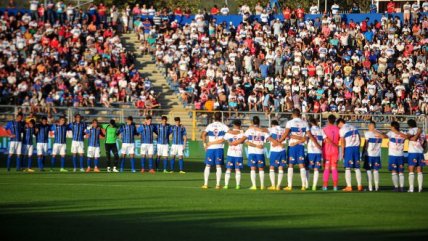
x=128, y=148
x=146, y=149
x=177, y=150
x=58, y=149
x=163, y=149
x=93, y=152
x=77, y=147
x=42, y=149
x=27, y=150
x=15, y=147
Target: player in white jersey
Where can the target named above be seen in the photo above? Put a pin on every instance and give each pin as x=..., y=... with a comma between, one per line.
x=297, y=130
x=235, y=138
x=373, y=145
x=350, y=145
x=416, y=154
x=256, y=137
x=213, y=138
x=396, y=155
x=314, y=157
x=277, y=157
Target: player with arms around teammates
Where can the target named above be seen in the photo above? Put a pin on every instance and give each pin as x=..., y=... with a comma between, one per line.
x=213, y=138
x=16, y=129
x=163, y=132
x=93, y=133
x=277, y=157
x=42, y=138
x=373, y=146
x=128, y=133
x=396, y=155
x=179, y=140
x=77, y=144
x=314, y=156
x=235, y=160
x=27, y=144
x=416, y=158
x=146, y=131
x=59, y=147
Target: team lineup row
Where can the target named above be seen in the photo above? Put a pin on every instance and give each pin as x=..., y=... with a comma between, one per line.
x=323, y=145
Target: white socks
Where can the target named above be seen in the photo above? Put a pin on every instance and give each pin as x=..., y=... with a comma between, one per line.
x=238, y=178
x=227, y=178
x=401, y=176
x=280, y=176
x=420, y=181
x=262, y=178
x=376, y=179
x=303, y=176
x=290, y=177
x=370, y=180
x=358, y=176
x=411, y=181
x=348, y=177
x=316, y=176
x=272, y=177
x=206, y=175
x=253, y=177
x=395, y=180
x=218, y=176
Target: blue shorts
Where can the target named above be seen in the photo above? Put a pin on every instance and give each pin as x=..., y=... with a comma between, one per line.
x=395, y=163
x=234, y=162
x=314, y=160
x=416, y=160
x=256, y=160
x=214, y=157
x=374, y=163
x=296, y=155
x=352, y=157
x=278, y=159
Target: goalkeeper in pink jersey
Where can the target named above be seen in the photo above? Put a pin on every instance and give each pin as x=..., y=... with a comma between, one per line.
x=330, y=152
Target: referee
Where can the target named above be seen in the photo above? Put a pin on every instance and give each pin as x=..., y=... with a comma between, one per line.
x=110, y=131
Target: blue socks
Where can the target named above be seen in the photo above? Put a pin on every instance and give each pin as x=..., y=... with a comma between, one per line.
x=18, y=163
x=88, y=162
x=81, y=162
x=53, y=162
x=143, y=161
x=132, y=163
x=150, y=163
x=74, y=162
x=158, y=163
x=62, y=162
x=40, y=162
x=171, y=164
x=181, y=164
x=122, y=163
x=29, y=162
x=96, y=162
x=8, y=163
x=165, y=163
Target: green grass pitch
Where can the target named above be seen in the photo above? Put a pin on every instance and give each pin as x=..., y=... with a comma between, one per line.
x=135, y=206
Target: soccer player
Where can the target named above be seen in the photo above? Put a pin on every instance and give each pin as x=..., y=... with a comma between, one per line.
x=77, y=146
x=128, y=133
x=93, y=132
x=146, y=131
x=416, y=157
x=350, y=146
x=277, y=158
x=297, y=130
x=314, y=156
x=255, y=139
x=396, y=155
x=179, y=140
x=42, y=137
x=27, y=144
x=235, y=137
x=16, y=128
x=373, y=146
x=59, y=146
x=330, y=152
x=214, y=148
x=110, y=132
x=163, y=131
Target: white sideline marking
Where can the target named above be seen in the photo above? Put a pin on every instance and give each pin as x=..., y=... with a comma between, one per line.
x=96, y=185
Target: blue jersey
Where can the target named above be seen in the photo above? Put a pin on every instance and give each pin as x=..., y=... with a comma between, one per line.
x=43, y=133
x=128, y=132
x=16, y=128
x=178, y=134
x=78, y=130
x=60, y=133
x=28, y=136
x=146, y=133
x=94, y=136
x=163, y=132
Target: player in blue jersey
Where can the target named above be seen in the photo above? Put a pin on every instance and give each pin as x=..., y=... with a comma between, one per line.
x=146, y=131
x=373, y=146
x=59, y=146
x=42, y=138
x=16, y=129
x=93, y=133
x=28, y=145
x=77, y=144
x=314, y=156
x=163, y=132
x=255, y=139
x=350, y=147
x=212, y=139
x=277, y=157
x=235, y=161
x=128, y=133
x=416, y=159
x=179, y=140
x=297, y=130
